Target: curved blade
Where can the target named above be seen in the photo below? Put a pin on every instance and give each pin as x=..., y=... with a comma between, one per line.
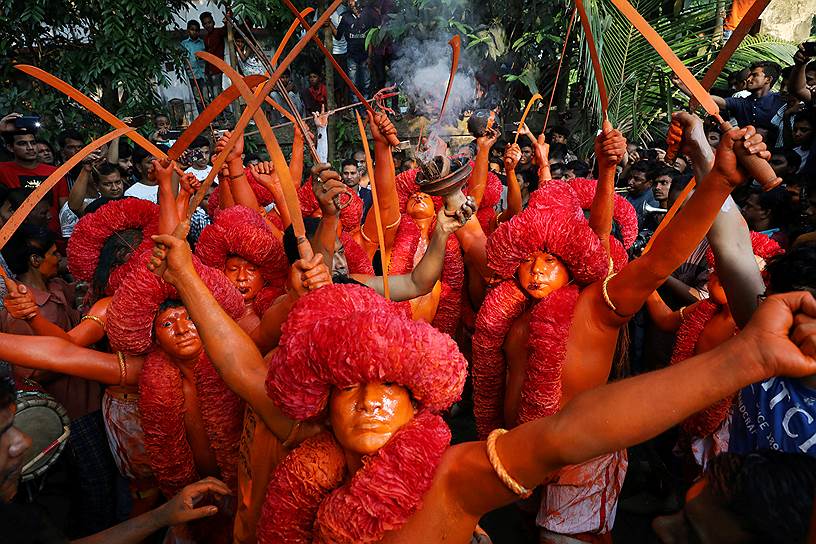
x=200, y=123
x=733, y=42
x=89, y=105
x=271, y=142
x=295, y=24
x=530, y=103
x=28, y=204
x=662, y=48
x=456, y=44
x=375, y=204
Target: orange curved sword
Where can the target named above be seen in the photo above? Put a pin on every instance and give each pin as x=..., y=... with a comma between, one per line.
x=294, y=26
x=37, y=194
x=733, y=42
x=596, y=61
x=393, y=140
x=456, y=44
x=90, y=105
x=248, y=113
x=272, y=146
x=375, y=204
x=530, y=103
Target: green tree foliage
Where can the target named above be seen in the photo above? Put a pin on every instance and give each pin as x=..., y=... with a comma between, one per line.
x=114, y=50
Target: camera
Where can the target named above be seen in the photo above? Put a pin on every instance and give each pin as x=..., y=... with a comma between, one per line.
x=29, y=123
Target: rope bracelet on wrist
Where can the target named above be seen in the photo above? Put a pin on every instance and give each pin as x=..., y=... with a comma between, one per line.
x=499, y=469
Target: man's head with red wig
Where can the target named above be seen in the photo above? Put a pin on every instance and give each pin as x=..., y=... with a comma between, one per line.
x=131, y=318
x=380, y=345
x=104, y=241
x=240, y=244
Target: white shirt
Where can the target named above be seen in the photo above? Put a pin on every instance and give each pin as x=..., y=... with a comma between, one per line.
x=145, y=192
x=68, y=218
x=201, y=175
x=339, y=47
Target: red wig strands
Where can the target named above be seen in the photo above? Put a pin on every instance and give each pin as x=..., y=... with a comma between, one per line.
x=404, y=249
x=243, y=232
x=94, y=229
x=350, y=216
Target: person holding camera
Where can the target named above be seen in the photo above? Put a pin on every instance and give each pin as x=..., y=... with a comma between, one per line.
x=25, y=170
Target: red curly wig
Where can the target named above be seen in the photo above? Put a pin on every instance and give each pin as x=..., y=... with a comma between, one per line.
x=553, y=222
x=131, y=314
x=381, y=345
x=243, y=232
x=403, y=253
x=623, y=216
x=705, y=422
x=136, y=303
x=94, y=229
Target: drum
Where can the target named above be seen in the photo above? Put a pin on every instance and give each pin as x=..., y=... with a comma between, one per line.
x=46, y=422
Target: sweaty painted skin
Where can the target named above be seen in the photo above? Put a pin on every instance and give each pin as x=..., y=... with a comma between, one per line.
x=465, y=485
x=420, y=208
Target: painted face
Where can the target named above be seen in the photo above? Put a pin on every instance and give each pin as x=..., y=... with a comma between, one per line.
x=13, y=444
x=245, y=276
x=802, y=132
x=70, y=148
x=661, y=187
x=111, y=185
x=420, y=206
x=541, y=274
x=365, y=416
x=24, y=147
x=638, y=182
x=44, y=154
x=177, y=334
x=351, y=175
x=703, y=520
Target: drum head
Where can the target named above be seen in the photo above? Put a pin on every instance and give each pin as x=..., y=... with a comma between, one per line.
x=43, y=419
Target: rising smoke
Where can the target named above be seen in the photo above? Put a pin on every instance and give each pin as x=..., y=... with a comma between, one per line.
x=422, y=68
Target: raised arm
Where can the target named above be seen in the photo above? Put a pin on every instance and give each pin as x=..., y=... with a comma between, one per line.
x=778, y=341
x=729, y=236
x=481, y=163
x=610, y=147
x=76, y=198
x=240, y=189
x=666, y=319
x=629, y=289
x=381, y=127
x=326, y=185
x=512, y=155
x=428, y=270
x=231, y=350
x=168, y=213
x=797, y=84
x=264, y=173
